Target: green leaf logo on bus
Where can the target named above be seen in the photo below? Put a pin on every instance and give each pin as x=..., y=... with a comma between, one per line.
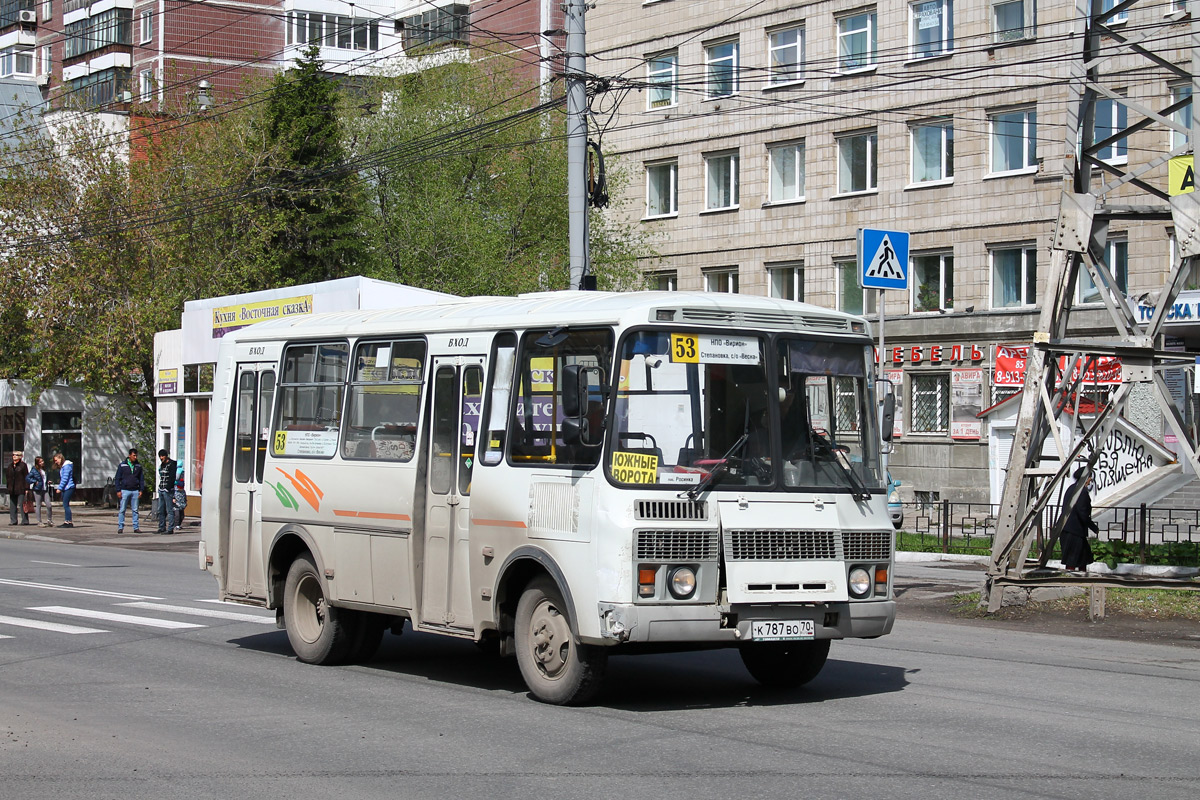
x=286, y=498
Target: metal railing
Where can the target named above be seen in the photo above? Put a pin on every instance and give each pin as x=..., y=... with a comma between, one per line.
x=946, y=526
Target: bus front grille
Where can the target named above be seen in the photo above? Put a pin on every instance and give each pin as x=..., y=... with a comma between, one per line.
x=671, y=509
x=759, y=545
x=676, y=546
x=867, y=545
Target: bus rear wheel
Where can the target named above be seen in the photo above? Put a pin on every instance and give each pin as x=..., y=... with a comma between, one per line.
x=556, y=668
x=319, y=633
x=784, y=665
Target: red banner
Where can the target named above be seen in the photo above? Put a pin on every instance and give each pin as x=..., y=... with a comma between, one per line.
x=1011, y=359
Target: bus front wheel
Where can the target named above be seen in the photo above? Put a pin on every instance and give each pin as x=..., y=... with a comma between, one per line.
x=556, y=668
x=784, y=665
x=319, y=632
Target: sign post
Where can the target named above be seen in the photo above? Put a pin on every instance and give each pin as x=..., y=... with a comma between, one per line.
x=882, y=264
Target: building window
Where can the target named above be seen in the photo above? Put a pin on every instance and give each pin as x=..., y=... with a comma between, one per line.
x=932, y=151
x=1014, y=140
x=1183, y=116
x=16, y=60
x=351, y=33
x=856, y=42
x=721, y=280
x=661, y=189
x=665, y=281
x=114, y=26
x=930, y=403
x=1012, y=20
x=933, y=282
x=931, y=28
x=1109, y=5
x=787, y=281
x=12, y=436
x=721, y=69
x=786, y=55
x=47, y=60
x=856, y=162
x=62, y=432
x=1014, y=277
x=1116, y=257
x=147, y=20
x=787, y=172
x=435, y=27
x=721, y=184
x=100, y=88
x=47, y=9
x=146, y=85
x=662, y=72
x=1111, y=116
x=851, y=297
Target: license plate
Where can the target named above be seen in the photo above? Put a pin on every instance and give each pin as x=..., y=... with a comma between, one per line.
x=776, y=630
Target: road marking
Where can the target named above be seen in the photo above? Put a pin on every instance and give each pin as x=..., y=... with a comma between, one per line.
x=108, y=616
x=54, y=563
x=74, y=590
x=2, y=636
x=56, y=627
x=202, y=612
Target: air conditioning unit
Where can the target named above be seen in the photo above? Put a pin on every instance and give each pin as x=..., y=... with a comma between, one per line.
x=27, y=15
x=43, y=79
x=126, y=97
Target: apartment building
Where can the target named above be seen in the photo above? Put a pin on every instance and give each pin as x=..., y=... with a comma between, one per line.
x=763, y=135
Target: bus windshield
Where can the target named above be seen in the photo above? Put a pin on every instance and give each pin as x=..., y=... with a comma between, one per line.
x=792, y=413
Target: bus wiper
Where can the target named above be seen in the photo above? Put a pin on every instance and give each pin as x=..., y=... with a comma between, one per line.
x=860, y=491
x=719, y=469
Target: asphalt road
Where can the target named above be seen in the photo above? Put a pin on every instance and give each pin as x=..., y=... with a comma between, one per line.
x=220, y=709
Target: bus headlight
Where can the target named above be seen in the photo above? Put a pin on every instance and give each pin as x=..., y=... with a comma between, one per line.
x=682, y=583
x=860, y=582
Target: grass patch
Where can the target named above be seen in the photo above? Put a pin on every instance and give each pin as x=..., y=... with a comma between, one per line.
x=932, y=543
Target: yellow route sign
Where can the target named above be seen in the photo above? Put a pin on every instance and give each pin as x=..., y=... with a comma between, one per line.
x=1182, y=175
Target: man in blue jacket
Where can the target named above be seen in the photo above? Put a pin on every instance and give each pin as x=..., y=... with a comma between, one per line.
x=130, y=482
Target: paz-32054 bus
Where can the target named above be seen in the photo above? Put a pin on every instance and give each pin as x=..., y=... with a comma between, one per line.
x=560, y=476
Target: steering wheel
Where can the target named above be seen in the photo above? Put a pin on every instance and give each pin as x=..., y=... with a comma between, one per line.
x=823, y=446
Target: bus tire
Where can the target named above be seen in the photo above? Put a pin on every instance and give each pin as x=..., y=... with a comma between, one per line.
x=319, y=633
x=556, y=668
x=784, y=665
x=367, y=634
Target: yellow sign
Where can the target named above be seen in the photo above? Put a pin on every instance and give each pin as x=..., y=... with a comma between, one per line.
x=684, y=348
x=168, y=375
x=231, y=318
x=1182, y=175
x=634, y=467
x=280, y=442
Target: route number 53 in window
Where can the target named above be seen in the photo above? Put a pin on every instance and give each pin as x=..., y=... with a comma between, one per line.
x=684, y=348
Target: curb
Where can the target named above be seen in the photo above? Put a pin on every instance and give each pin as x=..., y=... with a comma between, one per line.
x=912, y=557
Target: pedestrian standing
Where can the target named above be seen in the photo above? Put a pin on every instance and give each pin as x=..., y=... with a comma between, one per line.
x=179, y=502
x=130, y=482
x=14, y=478
x=166, y=492
x=1076, y=551
x=39, y=484
x=66, y=485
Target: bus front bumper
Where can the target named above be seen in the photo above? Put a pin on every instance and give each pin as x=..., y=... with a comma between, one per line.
x=627, y=622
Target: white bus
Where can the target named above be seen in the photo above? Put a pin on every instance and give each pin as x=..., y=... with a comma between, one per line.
x=560, y=476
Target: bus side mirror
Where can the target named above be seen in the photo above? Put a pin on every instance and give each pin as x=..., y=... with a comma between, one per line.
x=888, y=418
x=572, y=391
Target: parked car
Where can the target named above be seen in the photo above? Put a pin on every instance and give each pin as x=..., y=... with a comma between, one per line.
x=895, y=510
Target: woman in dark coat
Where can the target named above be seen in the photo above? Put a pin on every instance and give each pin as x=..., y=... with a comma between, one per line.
x=1076, y=552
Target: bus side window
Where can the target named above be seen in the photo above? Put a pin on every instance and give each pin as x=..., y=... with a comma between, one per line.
x=384, y=401
x=310, y=400
x=499, y=393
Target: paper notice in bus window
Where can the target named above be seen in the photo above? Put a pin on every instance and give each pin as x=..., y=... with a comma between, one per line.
x=305, y=443
x=382, y=356
x=634, y=467
x=701, y=348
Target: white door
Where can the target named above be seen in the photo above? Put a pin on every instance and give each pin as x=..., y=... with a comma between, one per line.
x=453, y=431
x=252, y=427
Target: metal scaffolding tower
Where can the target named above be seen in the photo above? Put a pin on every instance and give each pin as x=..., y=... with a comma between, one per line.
x=1057, y=362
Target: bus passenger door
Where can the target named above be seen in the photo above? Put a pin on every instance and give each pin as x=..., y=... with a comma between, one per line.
x=453, y=430
x=252, y=428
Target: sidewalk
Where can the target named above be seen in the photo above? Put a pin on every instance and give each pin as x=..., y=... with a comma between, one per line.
x=97, y=525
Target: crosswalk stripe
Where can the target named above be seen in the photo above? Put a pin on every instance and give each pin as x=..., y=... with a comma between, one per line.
x=76, y=590
x=56, y=627
x=202, y=612
x=108, y=616
x=2, y=636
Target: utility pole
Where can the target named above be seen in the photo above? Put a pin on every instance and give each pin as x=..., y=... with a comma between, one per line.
x=576, y=141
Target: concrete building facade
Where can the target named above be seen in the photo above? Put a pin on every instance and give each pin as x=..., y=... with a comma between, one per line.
x=763, y=136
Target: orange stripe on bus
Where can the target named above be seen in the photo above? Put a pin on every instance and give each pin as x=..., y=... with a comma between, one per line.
x=343, y=512
x=500, y=523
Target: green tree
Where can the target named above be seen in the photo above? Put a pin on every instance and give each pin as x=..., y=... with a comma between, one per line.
x=319, y=200
x=468, y=187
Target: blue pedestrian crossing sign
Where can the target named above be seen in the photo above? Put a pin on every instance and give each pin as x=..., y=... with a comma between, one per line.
x=882, y=259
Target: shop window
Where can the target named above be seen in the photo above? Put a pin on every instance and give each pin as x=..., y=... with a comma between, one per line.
x=198, y=378
x=930, y=403
x=62, y=432
x=12, y=435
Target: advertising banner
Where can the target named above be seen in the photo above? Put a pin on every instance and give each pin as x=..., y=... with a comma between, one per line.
x=966, y=401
